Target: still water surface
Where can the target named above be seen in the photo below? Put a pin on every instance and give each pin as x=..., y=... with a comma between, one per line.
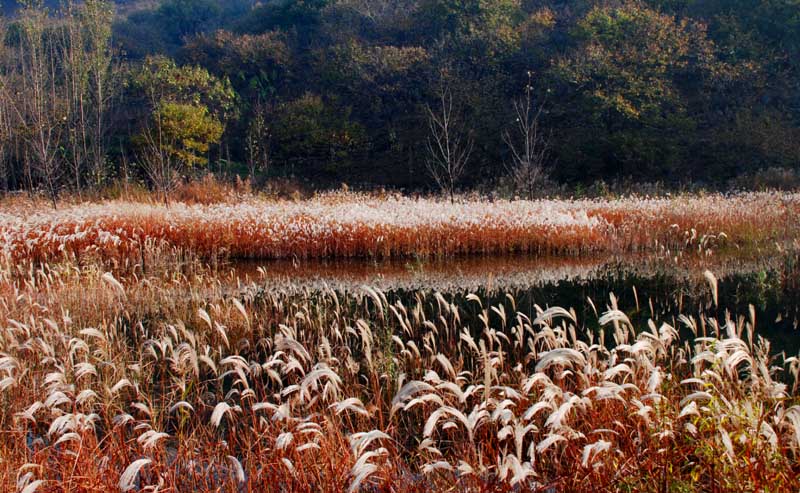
x=646, y=287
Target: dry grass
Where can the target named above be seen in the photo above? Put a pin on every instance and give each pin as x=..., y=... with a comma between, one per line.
x=164, y=375
x=351, y=225
x=210, y=190
x=170, y=383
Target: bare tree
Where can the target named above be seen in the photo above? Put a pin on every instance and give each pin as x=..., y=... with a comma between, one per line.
x=6, y=135
x=257, y=142
x=43, y=102
x=158, y=161
x=5, y=138
x=529, y=145
x=88, y=77
x=449, y=146
x=76, y=82
x=97, y=20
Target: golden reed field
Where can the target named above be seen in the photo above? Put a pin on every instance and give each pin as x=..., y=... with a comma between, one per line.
x=120, y=371
x=341, y=225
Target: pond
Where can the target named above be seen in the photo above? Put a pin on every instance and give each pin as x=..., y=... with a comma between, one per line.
x=645, y=287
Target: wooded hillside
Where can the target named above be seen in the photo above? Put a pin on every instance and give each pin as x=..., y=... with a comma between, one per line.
x=337, y=91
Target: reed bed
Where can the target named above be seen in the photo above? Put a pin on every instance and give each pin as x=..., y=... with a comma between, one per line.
x=170, y=383
x=345, y=225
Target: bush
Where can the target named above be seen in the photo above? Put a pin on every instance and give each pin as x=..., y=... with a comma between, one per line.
x=210, y=190
x=768, y=179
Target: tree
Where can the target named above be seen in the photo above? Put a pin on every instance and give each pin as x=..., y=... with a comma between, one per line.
x=317, y=136
x=257, y=142
x=97, y=17
x=76, y=80
x=6, y=117
x=157, y=161
x=186, y=111
x=42, y=104
x=176, y=140
x=491, y=23
x=385, y=87
x=301, y=16
x=531, y=144
x=5, y=142
x=161, y=79
x=624, y=91
x=188, y=17
x=188, y=131
x=255, y=63
x=89, y=80
x=449, y=146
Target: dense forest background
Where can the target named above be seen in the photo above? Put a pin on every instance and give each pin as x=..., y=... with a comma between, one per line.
x=331, y=91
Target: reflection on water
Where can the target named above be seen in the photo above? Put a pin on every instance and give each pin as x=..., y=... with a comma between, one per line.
x=485, y=273
x=454, y=274
x=646, y=287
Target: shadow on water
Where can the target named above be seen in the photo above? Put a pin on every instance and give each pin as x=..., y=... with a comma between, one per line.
x=646, y=288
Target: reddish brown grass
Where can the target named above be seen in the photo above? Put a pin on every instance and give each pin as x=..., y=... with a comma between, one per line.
x=339, y=226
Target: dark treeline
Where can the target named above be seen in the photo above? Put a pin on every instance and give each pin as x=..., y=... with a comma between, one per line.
x=400, y=93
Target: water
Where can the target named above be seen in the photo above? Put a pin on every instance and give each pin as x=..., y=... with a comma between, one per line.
x=645, y=287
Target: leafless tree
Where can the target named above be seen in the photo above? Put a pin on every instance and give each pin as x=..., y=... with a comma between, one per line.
x=449, y=145
x=42, y=105
x=258, y=142
x=76, y=82
x=97, y=20
x=6, y=135
x=157, y=161
x=529, y=144
x=4, y=145
x=124, y=169
x=88, y=78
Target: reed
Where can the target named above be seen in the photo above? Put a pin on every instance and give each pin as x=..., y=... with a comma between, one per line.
x=181, y=382
x=345, y=225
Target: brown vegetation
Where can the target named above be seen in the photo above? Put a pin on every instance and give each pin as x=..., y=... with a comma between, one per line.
x=352, y=225
x=172, y=383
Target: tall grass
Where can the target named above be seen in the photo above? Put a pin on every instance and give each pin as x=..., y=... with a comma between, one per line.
x=352, y=225
x=170, y=383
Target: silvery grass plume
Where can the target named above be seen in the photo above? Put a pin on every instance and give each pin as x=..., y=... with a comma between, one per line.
x=128, y=481
x=350, y=225
x=524, y=400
